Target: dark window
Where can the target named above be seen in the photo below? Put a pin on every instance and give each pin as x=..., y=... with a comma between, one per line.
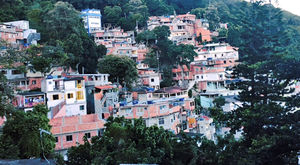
x=161, y=121
x=55, y=97
x=152, y=80
x=33, y=82
x=70, y=95
x=69, y=138
x=56, y=139
x=3, y=71
x=192, y=104
x=22, y=82
x=87, y=135
x=224, y=62
x=16, y=72
x=100, y=132
x=27, y=82
x=81, y=107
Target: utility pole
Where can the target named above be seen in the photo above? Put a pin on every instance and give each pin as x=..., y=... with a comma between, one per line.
x=157, y=57
x=41, y=137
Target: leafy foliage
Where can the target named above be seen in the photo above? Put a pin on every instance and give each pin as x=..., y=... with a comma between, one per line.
x=121, y=69
x=130, y=141
x=21, y=134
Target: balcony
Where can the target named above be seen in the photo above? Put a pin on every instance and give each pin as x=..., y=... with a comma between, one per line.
x=58, y=88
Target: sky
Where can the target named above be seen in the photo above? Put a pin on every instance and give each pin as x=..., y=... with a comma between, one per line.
x=292, y=6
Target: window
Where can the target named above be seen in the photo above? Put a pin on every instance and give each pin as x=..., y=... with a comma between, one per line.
x=27, y=82
x=79, y=85
x=69, y=138
x=140, y=111
x=101, y=132
x=3, y=71
x=55, y=97
x=152, y=80
x=163, y=107
x=81, y=107
x=79, y=95
x=22, y=82
x=128, y=111
x=16, y=72
x=70, y=95
x=192, y=103
x=87, y=135
x=224, y=62
x=33, y=82
x=56, y=139
x=161, y=121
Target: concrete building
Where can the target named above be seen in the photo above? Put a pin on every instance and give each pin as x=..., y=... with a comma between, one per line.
x=211, y=70
x=91, y=19
x=184, y=28
x=11, y=34
x=202, y=125
x=149, y=77
x=167, y=113
x=167, y=107
x=27, y=100
x=217, y=51
x=70, y=130
x=28, y=36
x=102, y=96
x=65, y=96
x=117, y=41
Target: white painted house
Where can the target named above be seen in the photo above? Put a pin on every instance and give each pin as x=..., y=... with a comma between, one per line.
x=91, y=19
x=65, y=96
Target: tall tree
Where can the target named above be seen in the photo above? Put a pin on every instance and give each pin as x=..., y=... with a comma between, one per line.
x=269, y=127
x=121, y=69
x=66, y=30
x=21, y=131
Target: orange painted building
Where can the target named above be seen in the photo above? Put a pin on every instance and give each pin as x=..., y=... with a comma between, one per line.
x=68, y=131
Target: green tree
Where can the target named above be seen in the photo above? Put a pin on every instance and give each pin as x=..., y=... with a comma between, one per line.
x=12, y=10
x=138, y=10
x=213, y=18
x=159, y=7
x=199, y=12
x=263, y=117
x=6, y=95
x=121, y=69
x=223, y=33
x=21, y=131
x=112, y=14
x=65, y=29
x=126, y=141
x=147, y=37
x=44, y=58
